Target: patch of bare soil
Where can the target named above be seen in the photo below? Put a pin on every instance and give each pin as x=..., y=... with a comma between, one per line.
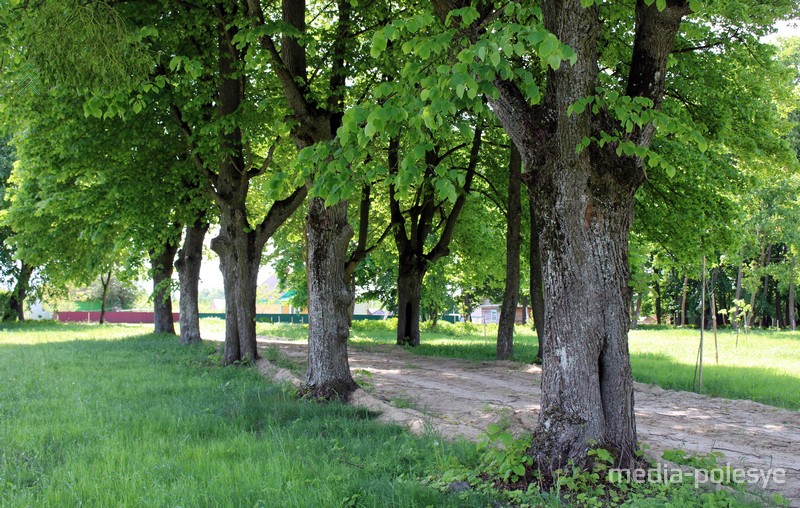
x=460, y=398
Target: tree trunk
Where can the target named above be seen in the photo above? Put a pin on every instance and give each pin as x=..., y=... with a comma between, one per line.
x=657, y=288
x=683, y=300
x=537, y=288
x=329, y=299
x=737, y=310
x=188, y=264
x=104, y=282
x=410, y=273
x=767, y=261
x=16, y=304
x=584, y=209
x=162, y=265
x=239, y=253
x=792, y=322
x=508, y=310
x=587, y=387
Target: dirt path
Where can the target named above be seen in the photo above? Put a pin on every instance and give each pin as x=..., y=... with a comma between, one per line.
x=460, y=398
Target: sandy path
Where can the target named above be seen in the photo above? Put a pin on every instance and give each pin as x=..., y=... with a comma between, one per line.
x=460, y=398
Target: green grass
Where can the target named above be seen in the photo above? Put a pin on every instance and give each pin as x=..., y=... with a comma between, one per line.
x=113, y=416
x=765, y=367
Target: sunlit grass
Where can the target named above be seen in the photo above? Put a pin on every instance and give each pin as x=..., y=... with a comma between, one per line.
x=112, y=421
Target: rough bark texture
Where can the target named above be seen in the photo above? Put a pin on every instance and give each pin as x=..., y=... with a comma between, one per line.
x=508, y=310
x=537, y=285
x=16, y=303
x=584, y=209
x=190, y=257
x=240, y=258
x=162, y=266
x=329, y=299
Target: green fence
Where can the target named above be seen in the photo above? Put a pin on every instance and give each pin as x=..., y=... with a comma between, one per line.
x=287, y=318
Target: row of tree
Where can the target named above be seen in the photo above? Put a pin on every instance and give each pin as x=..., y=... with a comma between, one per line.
x=407, y=135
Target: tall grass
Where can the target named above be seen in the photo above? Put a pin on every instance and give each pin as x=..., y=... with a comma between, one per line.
x=111, y=416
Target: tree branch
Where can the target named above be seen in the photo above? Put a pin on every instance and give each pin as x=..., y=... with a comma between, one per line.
x=252, y=173
x=443, y=245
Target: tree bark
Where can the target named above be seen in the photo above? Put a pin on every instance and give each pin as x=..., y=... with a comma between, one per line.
x=16, y=303
x=508, y=310
x=240, y=257
x=410, y=273
x=162, y=266
x=190, y=258
x=329, y=299
x=104, y=282
x=537, y=285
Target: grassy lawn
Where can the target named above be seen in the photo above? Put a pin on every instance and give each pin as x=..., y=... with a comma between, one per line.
x=764, y=367
x=114, y=416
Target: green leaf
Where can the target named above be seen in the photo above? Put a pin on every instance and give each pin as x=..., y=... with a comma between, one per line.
x=495, y=58
x=378, y=44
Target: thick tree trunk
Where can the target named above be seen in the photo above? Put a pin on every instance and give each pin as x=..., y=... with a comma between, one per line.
x=104, y=282
x=329, y=299
x=16, y=304
x=188, y=264
x=584, y=204
x=162, y=265
x=410, y=273
x=508, y=310
x=587, y=385
x=240, y=258
x=537, y=288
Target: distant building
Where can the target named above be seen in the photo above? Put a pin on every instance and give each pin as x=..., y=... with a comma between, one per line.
x=489, y=313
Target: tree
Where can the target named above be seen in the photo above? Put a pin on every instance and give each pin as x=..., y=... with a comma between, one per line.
x=414, y=233
x=15, y=273
x=508, y=311
x=585, y=156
